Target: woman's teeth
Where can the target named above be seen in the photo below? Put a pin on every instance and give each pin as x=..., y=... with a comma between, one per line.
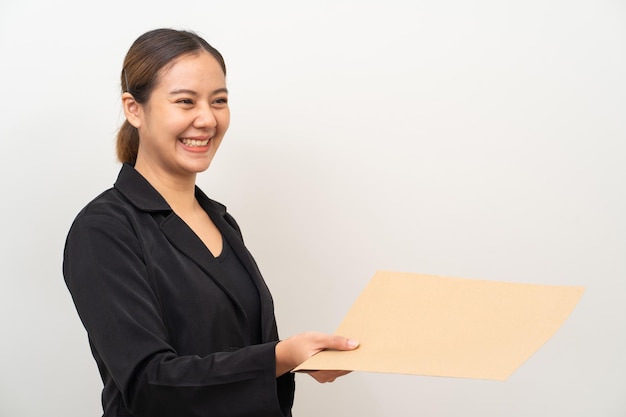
x=195, y=142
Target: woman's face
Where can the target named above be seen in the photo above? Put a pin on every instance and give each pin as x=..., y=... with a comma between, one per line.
x=183, y=123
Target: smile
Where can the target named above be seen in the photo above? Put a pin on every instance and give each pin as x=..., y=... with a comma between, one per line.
x=195, y=142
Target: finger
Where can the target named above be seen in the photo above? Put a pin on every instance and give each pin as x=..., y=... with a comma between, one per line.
x=342, y=343
x=327, y=376
x=323, y=377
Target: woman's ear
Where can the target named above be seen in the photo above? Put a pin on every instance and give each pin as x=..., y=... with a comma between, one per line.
x=132, y=109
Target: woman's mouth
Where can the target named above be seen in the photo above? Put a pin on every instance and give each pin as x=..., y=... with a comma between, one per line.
x=195, y=142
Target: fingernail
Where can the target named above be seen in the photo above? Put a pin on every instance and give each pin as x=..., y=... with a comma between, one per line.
x=353, y=343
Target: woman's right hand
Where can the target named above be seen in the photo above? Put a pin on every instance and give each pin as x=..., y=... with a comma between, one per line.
x=293, y=351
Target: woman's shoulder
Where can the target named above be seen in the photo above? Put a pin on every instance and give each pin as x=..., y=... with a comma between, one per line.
x=108, y=203
x=130, y=196
x=109, y=213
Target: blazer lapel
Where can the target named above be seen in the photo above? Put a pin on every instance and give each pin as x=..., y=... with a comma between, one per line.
x=185, y=240
x=141, y=193
x=143, y=196
x=232, y=236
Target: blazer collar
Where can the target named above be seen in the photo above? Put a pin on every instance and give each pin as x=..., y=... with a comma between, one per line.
x=136, y=189
x=139, y=191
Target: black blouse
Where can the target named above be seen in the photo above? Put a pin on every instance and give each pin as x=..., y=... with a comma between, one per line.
x=244, y=289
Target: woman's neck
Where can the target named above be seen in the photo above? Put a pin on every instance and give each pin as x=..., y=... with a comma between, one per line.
x=178, y=191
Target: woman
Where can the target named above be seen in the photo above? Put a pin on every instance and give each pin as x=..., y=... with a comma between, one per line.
x=179, y=319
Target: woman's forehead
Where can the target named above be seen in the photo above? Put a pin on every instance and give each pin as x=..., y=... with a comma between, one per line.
x=197, y=68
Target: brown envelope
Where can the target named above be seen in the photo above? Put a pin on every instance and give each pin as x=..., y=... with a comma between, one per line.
x=428, y=325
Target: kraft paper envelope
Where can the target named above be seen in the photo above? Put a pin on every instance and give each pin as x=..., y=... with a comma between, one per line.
x=453, y=327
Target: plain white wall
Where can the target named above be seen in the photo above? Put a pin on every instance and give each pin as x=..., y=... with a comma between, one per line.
x=480, y=139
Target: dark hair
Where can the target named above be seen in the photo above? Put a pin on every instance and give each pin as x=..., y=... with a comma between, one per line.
x=147, y=55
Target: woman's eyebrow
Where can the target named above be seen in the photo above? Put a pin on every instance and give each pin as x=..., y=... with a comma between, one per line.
x=183, y=91
x=192, y=92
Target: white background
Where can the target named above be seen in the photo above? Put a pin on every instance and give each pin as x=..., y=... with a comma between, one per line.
x=481, y=139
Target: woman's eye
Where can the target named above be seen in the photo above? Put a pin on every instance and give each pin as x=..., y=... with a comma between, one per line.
x=185, y=101
x=222, y=100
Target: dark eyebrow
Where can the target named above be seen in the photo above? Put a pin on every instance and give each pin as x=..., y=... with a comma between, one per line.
x=193, y=93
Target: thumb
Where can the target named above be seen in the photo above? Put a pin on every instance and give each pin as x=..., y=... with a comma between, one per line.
x=342, y=343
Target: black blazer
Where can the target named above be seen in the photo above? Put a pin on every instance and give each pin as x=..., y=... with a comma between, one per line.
x=168, y=336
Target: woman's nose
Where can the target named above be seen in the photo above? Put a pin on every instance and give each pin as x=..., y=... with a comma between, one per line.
x=205, y=118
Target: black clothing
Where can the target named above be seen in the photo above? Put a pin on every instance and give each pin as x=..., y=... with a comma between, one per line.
x=164, y=319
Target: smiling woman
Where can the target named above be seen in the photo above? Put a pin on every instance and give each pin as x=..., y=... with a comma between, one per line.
x=184, y=122
x=179, y=318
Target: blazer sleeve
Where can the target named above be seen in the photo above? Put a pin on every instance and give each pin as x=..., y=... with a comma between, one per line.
x=109, y=282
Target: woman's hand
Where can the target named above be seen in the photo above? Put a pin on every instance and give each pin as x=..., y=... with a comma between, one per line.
x=293, y=351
